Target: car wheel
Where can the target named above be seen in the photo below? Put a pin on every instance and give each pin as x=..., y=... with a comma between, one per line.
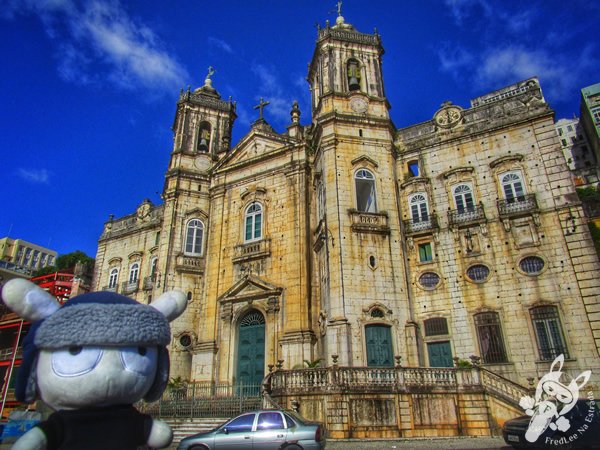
x=198, y=447
x=292, y=447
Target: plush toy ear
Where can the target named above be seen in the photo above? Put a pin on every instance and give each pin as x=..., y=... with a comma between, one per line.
x=171, y=304
x=28, y=300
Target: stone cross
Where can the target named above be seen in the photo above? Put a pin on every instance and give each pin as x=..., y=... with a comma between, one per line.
x=261, y=105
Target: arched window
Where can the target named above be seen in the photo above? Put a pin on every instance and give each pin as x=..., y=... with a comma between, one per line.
x=320, y=200
x=253, y=222
x=153, y=268
x=366, y=200
x=203, y=137
x=353, y=75
x=419, y=209
x=134, y=272
x=512, y=186
x=193, y=239
x=113, y=278
x=548, y=331
x=463, y=197
x=490, y=338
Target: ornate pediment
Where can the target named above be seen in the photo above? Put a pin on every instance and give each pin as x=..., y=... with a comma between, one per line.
x=250, y=287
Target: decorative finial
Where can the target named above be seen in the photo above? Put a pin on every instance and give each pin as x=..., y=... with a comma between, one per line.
x=339, y=7
x=295, y=112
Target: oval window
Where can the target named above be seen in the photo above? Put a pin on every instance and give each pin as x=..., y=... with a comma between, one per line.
x=429, y=280
x=532, y=265
x=478, y=273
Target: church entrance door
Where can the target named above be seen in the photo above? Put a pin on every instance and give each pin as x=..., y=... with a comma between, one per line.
x=251, y=352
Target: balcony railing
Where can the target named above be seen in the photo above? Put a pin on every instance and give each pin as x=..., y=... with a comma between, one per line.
x=521, y=205
x=110, y=288
x=148, y=283
x=129, y=287
x=423, y=225
x=393, y=380
x=466, y=216
x=252, y=250
x=190, y=264
x=369, y=222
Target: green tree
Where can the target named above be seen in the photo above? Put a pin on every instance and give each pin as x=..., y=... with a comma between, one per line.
x=66, y=261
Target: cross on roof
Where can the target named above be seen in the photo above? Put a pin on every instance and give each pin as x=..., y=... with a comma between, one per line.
x=261, y=105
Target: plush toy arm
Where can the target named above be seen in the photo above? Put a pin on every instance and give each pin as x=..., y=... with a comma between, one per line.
x=161, y=435
x=34, y=439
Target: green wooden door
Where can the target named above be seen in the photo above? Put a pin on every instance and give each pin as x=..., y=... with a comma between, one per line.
x=379, y=346
x=251, y=351
x=440, y=354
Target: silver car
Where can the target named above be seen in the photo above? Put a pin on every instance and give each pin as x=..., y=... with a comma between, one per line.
x=260, y=430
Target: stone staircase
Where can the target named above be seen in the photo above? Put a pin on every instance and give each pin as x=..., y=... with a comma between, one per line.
x=186, y=427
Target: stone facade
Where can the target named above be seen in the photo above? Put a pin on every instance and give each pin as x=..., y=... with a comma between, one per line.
x=351, y=240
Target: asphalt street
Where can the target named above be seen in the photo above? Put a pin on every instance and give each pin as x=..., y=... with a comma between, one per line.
x=483, y=443
x=460, y=443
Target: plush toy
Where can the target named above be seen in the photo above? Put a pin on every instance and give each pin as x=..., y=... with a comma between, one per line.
x=90, y=360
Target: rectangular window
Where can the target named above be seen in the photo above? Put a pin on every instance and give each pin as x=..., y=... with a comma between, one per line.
x=425, y=252
x=257, y=226
x=413, y=168
x=560, y=132
x=570, y=127
x=490, y=338
x=563, y=142
x=548, y=330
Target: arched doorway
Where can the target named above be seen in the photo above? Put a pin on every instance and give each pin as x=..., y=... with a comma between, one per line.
x=251, y=350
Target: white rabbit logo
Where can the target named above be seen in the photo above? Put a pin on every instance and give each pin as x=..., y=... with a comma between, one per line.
x=550, y=395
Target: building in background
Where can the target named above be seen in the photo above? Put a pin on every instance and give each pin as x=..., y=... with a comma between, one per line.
x=62, y=285
x=590, y=116
x=580, y=158
x=353, y=242
x=26, y=255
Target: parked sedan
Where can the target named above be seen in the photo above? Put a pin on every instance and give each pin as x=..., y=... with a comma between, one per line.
x=583, y=431
x=260, y=430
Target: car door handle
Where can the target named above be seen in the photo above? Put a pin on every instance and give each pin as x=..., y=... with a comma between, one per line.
x=246, y=437
x=280, y=435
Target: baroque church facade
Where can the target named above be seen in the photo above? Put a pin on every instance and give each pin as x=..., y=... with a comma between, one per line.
x=352, y=242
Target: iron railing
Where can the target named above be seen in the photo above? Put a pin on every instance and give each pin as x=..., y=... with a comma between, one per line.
x=205, y=399
x=423, y=225
x=523, y=204
x=464, y=216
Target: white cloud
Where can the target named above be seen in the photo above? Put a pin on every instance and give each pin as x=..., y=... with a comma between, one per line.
x=98, y=40
x=36, y=176
x=220, y=44
x=461, y=9
x=559, y=76
x=270, y=88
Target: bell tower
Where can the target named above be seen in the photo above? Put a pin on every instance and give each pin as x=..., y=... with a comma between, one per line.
x=346, y=63
x=358, y=251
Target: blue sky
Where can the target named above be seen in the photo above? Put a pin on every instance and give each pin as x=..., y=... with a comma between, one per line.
x=88, y=88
